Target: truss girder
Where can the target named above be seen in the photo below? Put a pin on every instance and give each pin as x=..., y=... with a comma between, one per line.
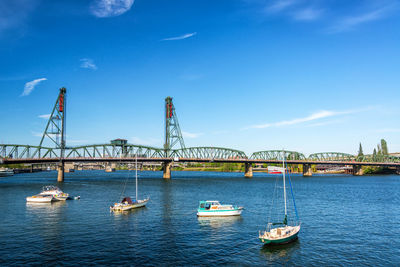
x=331, y=156
x=277, y=155
x=208, y=153
x=27, y=151
x=114, y=151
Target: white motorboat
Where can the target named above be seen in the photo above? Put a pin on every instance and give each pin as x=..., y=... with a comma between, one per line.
x=40, y=198
x=54, y=191
x=6, y=172
x=214, y=208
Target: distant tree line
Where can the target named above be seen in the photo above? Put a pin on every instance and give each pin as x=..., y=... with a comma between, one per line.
x=379, y=151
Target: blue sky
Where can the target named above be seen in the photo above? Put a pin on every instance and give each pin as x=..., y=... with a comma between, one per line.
x=311, y=76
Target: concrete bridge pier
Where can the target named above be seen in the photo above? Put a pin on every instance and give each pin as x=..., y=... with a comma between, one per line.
x=398, y=170
x=166, y=166
x=357, y=170
x=307, y=170
x=60, y=169
x=248, y=170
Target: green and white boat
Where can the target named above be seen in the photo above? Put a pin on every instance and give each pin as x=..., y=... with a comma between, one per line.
x=210, y=208
x=282, y=232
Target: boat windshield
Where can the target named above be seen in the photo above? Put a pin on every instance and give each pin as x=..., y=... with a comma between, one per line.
x=50, y=187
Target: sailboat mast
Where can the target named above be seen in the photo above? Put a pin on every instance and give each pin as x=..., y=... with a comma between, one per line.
x=284, y=183
x=136, y=177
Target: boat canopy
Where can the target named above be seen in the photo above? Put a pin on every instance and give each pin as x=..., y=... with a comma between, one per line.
x=127, y=199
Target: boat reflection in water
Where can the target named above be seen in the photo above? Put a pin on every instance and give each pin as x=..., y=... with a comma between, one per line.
x=216, y=222
x=44, y=207
x=280, y=253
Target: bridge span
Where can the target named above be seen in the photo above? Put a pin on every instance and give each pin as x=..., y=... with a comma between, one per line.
x=120, y=151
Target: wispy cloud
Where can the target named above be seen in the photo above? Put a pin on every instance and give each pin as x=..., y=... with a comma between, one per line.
x=181, y=37
x=15, y=13
x=280, y=5
x=44, y=116
x=307, y=14
x=110, y=8
x=29, y=86
x=87, y=63
x=37, y=134
x=351, y=22
x=315, y=116
x=388, y=130
x=191, y=135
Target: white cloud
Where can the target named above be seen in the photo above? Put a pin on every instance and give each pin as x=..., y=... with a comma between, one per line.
x=307, y=14
x=181, y=37
x=29, y=86
x=315, y=116
x=88, y=63
x=44, y=116
x=110, y=8
x=191, y=135
x=349, y=23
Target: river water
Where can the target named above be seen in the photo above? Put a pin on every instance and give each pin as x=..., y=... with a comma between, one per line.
x=345, y=220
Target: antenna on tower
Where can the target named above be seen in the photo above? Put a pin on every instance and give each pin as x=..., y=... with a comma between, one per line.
x=173, y=134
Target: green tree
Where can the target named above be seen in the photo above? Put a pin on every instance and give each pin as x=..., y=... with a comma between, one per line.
x=384, y=147
x=374, y=154
x=360, y=151
x=379, y=150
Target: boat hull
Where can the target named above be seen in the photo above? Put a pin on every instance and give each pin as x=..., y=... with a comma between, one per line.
x=40, y=199
x=126, y=207
x=223, y=213
x=280, y=240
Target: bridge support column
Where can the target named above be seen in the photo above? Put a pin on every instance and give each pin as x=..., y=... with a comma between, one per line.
x=398, y=170
x=357, y=170
x=307, y=170
x=166, y=166
x=60, y=169
x=248, y=170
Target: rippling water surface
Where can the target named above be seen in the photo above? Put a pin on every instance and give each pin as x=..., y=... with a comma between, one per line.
x=345, y=220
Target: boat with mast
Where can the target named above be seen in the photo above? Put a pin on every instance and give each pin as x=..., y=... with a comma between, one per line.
x=127, y=203
x=282, y=232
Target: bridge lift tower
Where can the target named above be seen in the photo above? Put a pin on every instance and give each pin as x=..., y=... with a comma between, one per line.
x=173, y=135
x=55, y=130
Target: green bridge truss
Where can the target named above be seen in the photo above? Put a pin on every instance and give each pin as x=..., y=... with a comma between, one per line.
x=15, y=151
x=331, y=156
x=277, y=155
x=208, y=153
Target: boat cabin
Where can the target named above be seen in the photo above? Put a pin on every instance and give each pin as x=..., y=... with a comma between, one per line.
x=206, y=205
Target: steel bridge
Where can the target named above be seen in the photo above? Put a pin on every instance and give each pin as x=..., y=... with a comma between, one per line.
x=174, y=150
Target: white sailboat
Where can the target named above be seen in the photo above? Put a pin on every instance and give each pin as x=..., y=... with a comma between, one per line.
x=127, y=203
x=282, y=232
